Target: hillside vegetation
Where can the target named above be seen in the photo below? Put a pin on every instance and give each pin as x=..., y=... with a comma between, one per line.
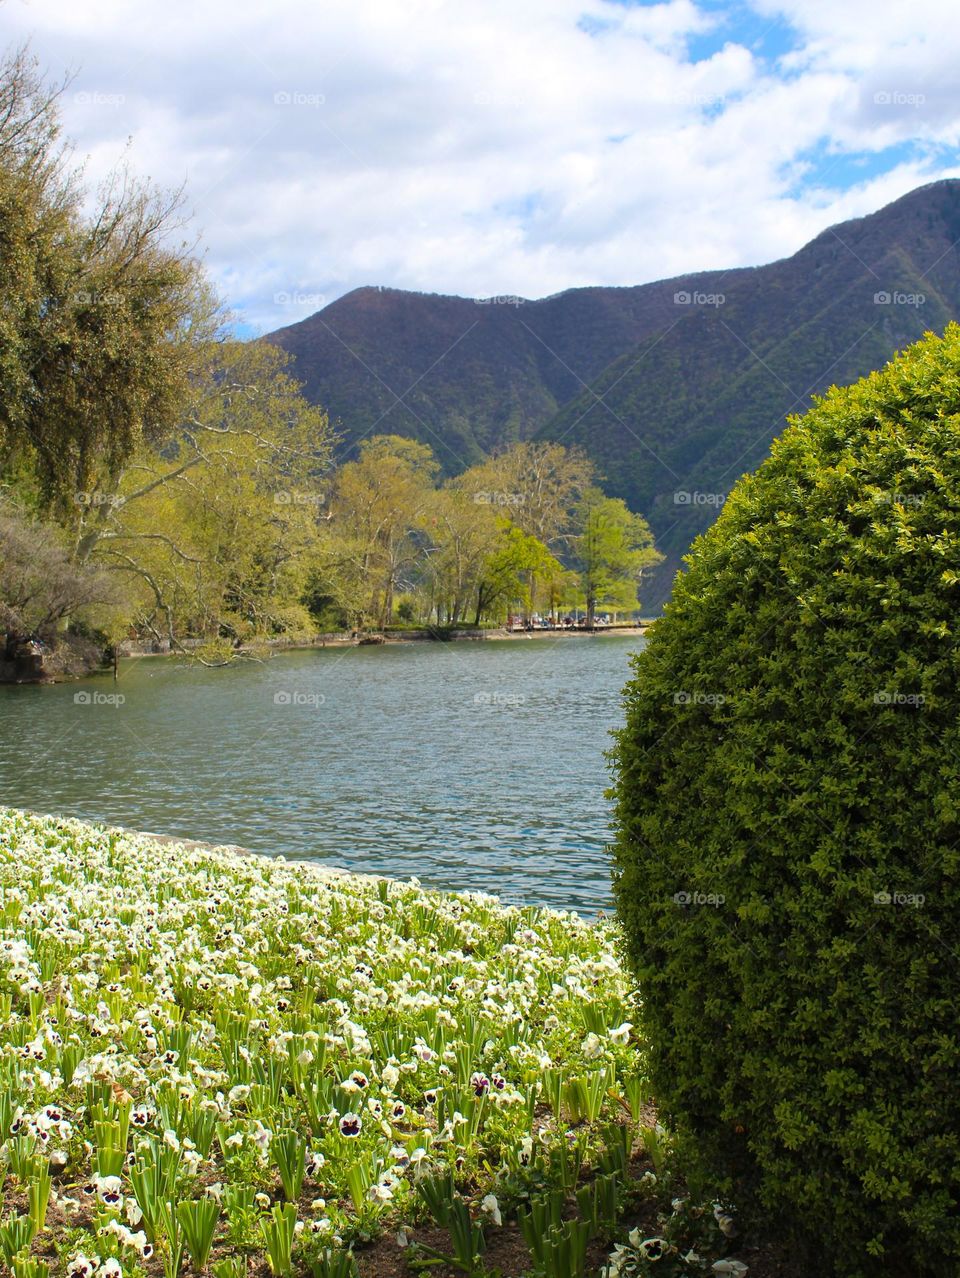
x=673, y=388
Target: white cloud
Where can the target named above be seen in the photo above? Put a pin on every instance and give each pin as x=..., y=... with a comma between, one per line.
x=510, y=147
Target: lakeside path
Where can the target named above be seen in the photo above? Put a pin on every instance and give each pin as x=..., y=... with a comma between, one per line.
x=601, y=633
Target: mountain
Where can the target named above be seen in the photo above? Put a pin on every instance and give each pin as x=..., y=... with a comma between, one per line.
x=675, y=388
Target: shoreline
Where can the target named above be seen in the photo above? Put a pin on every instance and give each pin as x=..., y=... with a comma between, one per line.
x=128, y=650
x=380, y=638
x=599, y=633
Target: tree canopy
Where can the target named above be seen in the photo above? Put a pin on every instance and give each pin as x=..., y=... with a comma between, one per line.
x=103, y=313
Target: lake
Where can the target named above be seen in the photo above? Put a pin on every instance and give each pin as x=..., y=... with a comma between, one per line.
x=469, y=765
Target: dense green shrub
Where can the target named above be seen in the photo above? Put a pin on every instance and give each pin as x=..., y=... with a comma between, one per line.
x=788, y=872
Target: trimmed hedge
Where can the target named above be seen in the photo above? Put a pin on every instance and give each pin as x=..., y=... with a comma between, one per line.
x=787, y=860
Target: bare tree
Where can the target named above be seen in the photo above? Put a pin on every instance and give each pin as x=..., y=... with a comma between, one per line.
x=40, y=585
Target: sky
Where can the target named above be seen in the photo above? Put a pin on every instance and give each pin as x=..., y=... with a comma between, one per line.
x=501, y=147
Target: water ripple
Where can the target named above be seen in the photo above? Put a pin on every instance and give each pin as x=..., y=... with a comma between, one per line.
x=474, y=766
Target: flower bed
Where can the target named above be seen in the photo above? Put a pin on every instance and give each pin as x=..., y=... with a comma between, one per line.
x=239, y=1064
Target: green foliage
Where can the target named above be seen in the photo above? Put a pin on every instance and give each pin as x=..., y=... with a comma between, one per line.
x=584, y=1097
x=29, y=1267
x=38, y=1194
x=16, y=1234
x=242, y=1215
x=111, y=1126
x=378, y=503
x=558, y=1247
x=198, y=1220
x=102, y=309
x=450, y=1211
x=332, y=1263
x=289, y=1150
x=517, y=562
x=598, y=1204
x=183, y=463
x=787, y=852
x=489, y=543
x=212, y=531
x=278, y=1230
x=230, y=1267
x=614, y=547
x=174, y=1240
x=564, y=1250
x=153, y=1176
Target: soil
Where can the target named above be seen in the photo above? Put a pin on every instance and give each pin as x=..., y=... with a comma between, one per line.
x=506, y=1252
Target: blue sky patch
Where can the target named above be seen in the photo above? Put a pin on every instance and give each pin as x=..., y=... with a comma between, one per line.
x=768, y=39
x=735, y=22
x=825, y=167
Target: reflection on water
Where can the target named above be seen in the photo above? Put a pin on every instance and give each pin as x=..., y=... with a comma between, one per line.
x=470, y=765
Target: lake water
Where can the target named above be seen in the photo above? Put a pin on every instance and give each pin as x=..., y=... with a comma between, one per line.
x=470, y=765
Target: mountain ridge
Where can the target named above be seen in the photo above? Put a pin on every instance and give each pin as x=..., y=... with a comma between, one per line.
x=675, y=387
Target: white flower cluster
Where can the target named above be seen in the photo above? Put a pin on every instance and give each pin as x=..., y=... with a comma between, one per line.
x=256, y=1018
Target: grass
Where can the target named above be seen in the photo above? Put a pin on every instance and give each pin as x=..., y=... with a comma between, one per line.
x=235, y=1065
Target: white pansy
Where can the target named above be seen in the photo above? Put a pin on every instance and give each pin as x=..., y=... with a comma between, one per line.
x=163, y=952
x=491, y=1208
x=591, y=1047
